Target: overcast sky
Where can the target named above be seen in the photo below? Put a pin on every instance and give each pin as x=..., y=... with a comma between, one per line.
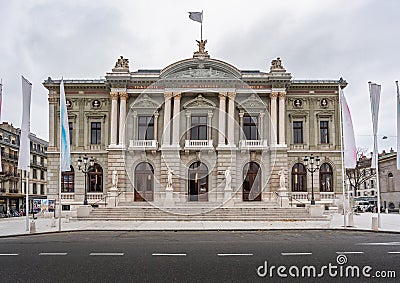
x=357, y=40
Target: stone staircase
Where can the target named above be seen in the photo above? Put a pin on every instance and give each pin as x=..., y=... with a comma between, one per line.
x=202, y=212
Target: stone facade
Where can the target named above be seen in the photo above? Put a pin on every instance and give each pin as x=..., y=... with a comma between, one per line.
x=389, y=180
x=200, y=112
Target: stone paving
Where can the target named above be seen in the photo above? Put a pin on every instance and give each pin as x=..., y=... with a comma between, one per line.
x=17, y=226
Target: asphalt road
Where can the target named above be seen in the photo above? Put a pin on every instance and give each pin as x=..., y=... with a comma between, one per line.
x=200, y=257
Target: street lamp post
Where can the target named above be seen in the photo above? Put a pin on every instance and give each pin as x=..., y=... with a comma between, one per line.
x=312, y=170
x=85, y=171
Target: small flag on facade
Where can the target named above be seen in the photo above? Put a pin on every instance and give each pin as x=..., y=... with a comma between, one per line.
x=196, y=16
x=375, y=96
x=65, y=152
x=24, y=148
x=349, y=143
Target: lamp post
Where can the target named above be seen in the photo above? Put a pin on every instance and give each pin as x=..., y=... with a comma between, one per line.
x=312, y=170
x=85, y=171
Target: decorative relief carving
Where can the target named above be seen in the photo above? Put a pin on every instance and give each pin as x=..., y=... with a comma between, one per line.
x=144, y=101
x=273, y=95
x=114, y=95
x=199, y=102
x=252, y=102
x=200, y=73
x=123, y=95
x=298, y=103
x=282, y=95
x=122, y=63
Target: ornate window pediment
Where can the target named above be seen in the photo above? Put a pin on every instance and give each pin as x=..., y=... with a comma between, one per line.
x=200, y=102
x=145, y=102
x=253, y=102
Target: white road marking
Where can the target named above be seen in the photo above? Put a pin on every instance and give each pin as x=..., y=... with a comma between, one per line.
x=393, y=252
x=9, y=254
x=162, y=254
x=53, y=254
x=296, y=253
x=235, y=254
x=106, y=254
x=380, y=244
x=349, y=252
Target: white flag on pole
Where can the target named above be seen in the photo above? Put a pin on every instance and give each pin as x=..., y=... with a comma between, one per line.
x=65, y=152
x=24, y=147
x=375, y=96
x=349, y=143
x=398, y=126
x=196, y=16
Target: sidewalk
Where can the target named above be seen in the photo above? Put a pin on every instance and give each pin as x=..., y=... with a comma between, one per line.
x=16, y=226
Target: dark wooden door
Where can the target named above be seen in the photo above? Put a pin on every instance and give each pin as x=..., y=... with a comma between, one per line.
x=144, y=182
x=251, y=182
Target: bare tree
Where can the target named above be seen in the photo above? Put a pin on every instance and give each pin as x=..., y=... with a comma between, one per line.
x=362, y=173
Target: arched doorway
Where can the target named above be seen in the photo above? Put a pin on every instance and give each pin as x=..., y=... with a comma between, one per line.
x=251, y=186
x=144, y=182
x=299, y=180
x=325, y=178
x=198, y=182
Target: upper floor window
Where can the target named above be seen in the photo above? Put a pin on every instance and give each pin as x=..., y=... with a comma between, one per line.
x=298, y=132
x=250, y=127
x=34, y=173
x=95, y=133
x=324, y=131
x=146, y=127
x=199, y=128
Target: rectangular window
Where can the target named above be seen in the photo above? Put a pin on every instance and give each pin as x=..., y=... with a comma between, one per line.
x=199, y=128
x=41, y=175
x=250, y=127
x=146, y=128
x=71, y=130
x=42, y=189
x=34, y=187
x=34, y=174
x=298, y=132
x=95, y=133
x=324, y=131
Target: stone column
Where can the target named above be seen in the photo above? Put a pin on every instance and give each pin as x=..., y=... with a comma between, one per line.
x=231, y=118
x=222, y=119
x=114, y=118
x=261, y=127
x=282, y=126
x=156, y=114
x=176, y=119
x=209, y=126
x=135, y=125
x=274, y=125
x=241, y=134
x=122, y=117
x=52, y=103
x=188, y=125
x=167, y=118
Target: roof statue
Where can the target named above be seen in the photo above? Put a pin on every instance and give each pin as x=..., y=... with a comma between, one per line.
x=122, y=63
x=202, y=49
x=276, y=64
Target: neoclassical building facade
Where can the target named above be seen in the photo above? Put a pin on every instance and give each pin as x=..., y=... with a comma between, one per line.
x=199, y=130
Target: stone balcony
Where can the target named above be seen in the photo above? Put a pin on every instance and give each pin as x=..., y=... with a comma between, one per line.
x=143, y=145
x=198, y=144
x=252, y=144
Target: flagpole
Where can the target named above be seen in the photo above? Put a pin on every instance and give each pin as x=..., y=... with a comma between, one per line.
x=398, y=126
x=342, y=155
x=60, y=173
x=201, y=27
x=27, y=201
x=377, y=179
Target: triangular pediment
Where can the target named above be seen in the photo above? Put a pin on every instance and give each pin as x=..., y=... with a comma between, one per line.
x=200, y=102
x=144, y=101
x=252, y=102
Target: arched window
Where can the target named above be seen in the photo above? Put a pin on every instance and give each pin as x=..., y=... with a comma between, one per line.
x=95, y=176
x=144, y=182
x=325, y=178
x=299, y=178
x=198, y=182
x=68, y=181
x=251, y=182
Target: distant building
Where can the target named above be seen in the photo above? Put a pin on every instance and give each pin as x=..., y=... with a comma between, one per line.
x=12, y=184
x=363, y=180
x=389, y=180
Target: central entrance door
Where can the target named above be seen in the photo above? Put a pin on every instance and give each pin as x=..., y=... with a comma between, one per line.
x=144, y=182
x=251, y=182
x=198, y=182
